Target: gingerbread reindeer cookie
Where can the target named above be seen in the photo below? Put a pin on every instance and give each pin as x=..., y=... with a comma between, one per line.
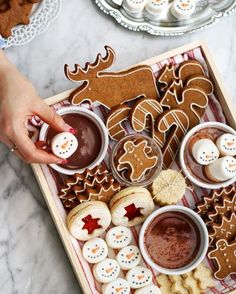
x=111, y=88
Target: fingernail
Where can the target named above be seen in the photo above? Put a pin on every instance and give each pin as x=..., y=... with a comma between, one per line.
x=73, y=131
x=67, y=128
x=62, y=161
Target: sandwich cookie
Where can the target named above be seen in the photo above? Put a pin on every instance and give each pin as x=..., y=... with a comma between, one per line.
x=118, y=286
x=118, y=237
x=64, y=145
x=129, y=257
x=88, y=220
x=106, y=271
x=134, y=6
x=131, y=206
x=205, y=151
x=156, y=6
x=95, y=250
x=151, y=289
x=222, y=169
x=226, y=144
x=183, y=9
x=139, y=277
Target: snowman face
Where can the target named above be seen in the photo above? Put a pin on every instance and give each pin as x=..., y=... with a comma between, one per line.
x=129, y=257
x=227, y=144
x=205, y=151
x=118, y=237
x=118, y=286
x=185, y=5
x=95, y=250
x=139, y=277
x=64, y=145
x=151, y=289
x=230, y=165
x=106, y=271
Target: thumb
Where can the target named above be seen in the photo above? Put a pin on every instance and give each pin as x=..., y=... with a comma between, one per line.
x=50, y=116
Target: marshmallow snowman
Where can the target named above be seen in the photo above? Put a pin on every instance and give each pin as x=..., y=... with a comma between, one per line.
x=156, y=6
x=106, y=271
x=134, y=6
x=151, y=289
x=222, y=169
x=183, y=9
x=95, y=250
x=226, y=144
x=118, y=237
x=128, y=257
x=205, y=151
x=139, y=277
x=118, y=286
x=64, y=145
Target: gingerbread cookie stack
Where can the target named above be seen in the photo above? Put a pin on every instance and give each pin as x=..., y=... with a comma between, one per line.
x=218, y=212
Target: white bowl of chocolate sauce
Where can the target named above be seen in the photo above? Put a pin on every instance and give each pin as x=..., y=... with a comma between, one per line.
x=194, y=171
x=173, y=240
x=91, y=134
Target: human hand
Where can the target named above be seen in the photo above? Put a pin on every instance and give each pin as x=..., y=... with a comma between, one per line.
x=18, y=103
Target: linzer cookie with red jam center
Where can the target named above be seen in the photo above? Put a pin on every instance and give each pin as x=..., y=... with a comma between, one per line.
x=131, y=206
x=88, y=220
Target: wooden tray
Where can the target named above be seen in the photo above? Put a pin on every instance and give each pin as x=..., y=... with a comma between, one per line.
x=59, y=219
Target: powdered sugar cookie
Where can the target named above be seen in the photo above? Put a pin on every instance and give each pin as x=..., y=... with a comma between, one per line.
x=134, y=6
x=139, y=277
x=222, y=169
x=88, y=220
x=64, y=144
x=226, y=144
x=183, y=9
x=118, y=286
x=205, y=151
x=95, y=250
x=118, y=237
x=156, y=6
x=128, y=257
x=106, y=271
x=131, y=206
x=151, y=289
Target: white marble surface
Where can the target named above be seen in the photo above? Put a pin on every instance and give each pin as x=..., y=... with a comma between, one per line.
x=32, y=259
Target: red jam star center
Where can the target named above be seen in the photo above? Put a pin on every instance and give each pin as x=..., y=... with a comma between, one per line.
x=91, y=224
x=132, y=211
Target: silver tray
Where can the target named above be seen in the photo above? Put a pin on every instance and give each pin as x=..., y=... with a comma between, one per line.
x=208, y=12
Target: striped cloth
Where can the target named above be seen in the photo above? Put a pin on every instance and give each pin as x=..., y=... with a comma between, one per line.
x=214, y=113
x=2, y=42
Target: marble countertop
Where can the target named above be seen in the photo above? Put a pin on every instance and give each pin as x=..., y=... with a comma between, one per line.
x=32, y=258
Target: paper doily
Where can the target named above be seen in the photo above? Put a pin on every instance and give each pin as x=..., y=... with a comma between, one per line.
x=43, y=14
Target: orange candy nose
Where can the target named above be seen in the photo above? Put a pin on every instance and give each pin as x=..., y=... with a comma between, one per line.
x=119, y=236
x=65, y=145
x=119, y=289
x=95, y=249
x=208, y=156
x=230, y=143
x=140, y=277
x=109, y=270
x=184, y=5
x=232, y=165
x=129, y=256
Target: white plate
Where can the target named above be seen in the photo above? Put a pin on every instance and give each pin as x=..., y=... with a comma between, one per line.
x=42, y=15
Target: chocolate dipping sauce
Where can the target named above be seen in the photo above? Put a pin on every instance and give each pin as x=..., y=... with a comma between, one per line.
x=89, y=140
x=172, y=240
x=196, y=169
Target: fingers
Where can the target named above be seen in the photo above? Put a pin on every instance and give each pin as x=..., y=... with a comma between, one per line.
x=49, y=115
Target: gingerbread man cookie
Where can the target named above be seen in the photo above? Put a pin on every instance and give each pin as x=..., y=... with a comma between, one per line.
x=225, y=256
x=136, y=160
x=115, y=119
